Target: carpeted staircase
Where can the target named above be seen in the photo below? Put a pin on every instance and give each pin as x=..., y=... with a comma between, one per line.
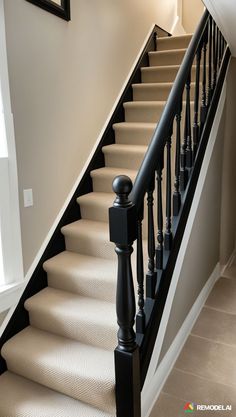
x=62, y=364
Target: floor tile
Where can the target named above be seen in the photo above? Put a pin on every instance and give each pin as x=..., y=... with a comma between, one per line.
x=168, y=406
x=223, y=296
x=208, y=359
x=199, y=390
x=217, y=326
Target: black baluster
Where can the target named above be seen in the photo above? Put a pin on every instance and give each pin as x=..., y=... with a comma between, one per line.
x=160, y=238
x=151, y=277
x=210, y=64
x=214, y=56
x=183, y=168
x=203, y=113
x=140, y=317
x=189, y=152
x=123, y=231
x=196, y=104
x=168, y=231
x=176, y=194
x=220, y=48
x=217, y=51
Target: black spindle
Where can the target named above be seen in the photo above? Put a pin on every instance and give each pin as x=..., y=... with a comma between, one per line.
x=214, y=57
x=176, y=194
x=160, y=238
x=140, y=318
x=203, y=113
x=168, y=231
x=189, y=152
x=209, y=64
x=196, y=104
x=151, y=277
x=183, y=168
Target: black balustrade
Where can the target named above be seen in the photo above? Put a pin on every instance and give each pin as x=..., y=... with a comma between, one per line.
x=137, y=213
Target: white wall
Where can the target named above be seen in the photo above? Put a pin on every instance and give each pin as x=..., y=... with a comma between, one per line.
x=64, y=80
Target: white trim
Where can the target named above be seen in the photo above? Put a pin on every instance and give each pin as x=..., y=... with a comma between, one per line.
x=9, y=294
x=185, y=240
x=167, y=363
x=14, y=231
x=177, y=28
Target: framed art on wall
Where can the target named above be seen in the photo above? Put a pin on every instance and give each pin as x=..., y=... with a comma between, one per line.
x=60, y=8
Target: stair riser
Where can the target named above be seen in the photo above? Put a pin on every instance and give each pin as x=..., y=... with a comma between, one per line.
x=100, y=248
x=154, y=93
x=104, y=184
x=51, y=378
x=103, y=290
x=146, y=114
x=169, y=58
x=127, y=161
x=166, y=44
x=133, y=136
x=82, y=331
x=163, y=75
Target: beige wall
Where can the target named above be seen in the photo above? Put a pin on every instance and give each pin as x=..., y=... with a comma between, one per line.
x=64, y=80
x=192, y=11
x=228, y=220
x=203, y=249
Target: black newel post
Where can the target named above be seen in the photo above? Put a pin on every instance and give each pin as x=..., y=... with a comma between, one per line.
x=123, y=232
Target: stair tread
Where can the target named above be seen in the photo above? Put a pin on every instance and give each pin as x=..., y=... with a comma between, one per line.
x=83, y=372
x=144, y=103
x=89, y=237
x=124, y=149
x=70, y=315
x=75, y=263
x=154, y=85
x=168, y=51
x=81, y=274
x=89, y=227
x=29, y=399
x=134, y=125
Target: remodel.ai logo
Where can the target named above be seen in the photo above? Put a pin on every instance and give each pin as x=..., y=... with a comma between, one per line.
x=191, y=407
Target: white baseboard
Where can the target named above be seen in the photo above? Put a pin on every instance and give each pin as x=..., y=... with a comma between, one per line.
x=229, y=263
x=167, y=363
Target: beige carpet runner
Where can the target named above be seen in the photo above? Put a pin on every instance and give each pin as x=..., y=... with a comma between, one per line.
x=62, y=364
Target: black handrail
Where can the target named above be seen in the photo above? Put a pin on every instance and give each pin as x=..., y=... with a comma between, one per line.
x=161, y=133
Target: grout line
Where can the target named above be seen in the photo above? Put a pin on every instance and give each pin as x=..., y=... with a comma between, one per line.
x=213, y=341
x=203, y=377
x=174, y=396
x=220, y=311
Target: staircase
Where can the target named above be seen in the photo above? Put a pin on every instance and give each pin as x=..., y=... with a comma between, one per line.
x=62, y=363
x=66, y=354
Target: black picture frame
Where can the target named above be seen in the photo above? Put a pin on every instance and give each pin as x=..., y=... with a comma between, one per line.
x=62, y=11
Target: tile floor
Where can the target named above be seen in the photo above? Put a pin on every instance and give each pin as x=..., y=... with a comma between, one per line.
x=205, y=372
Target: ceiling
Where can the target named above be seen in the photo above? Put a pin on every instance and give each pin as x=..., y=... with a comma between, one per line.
x=224, y=13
